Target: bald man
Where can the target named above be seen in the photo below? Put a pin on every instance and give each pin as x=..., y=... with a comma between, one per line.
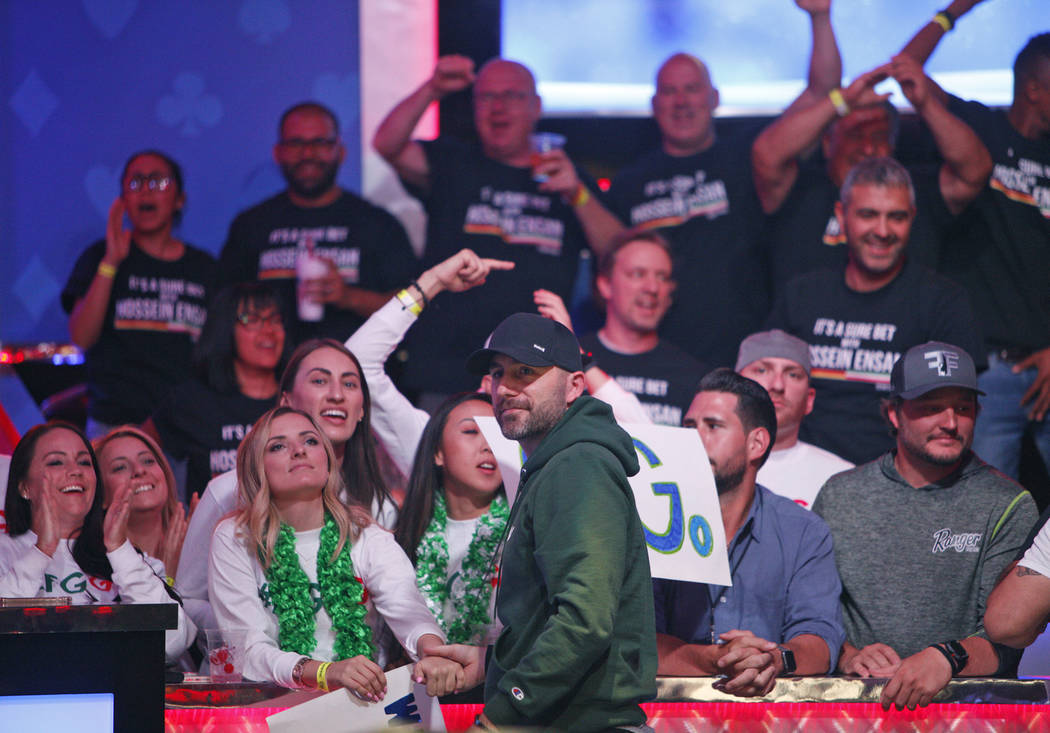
x=494, y=197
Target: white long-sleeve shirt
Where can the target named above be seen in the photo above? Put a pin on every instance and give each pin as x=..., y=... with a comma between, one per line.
x=237, y=585
x=220, y=499
x=26, y=572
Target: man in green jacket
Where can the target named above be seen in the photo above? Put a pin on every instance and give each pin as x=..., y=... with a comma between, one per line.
x=578, y=648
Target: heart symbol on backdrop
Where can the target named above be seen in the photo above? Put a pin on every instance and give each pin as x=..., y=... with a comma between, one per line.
x=342, y=94
x=110, y=16
x=100, y=184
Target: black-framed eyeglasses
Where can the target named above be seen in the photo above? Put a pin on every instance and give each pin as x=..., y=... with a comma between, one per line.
x=152, y=183
x=254, y=321
x=298, y=144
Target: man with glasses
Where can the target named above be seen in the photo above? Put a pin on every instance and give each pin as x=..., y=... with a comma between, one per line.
x=365, y=251
x=495, y=197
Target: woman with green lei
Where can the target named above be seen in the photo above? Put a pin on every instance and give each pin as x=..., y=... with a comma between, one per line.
x=311, y=577
x=453, y=519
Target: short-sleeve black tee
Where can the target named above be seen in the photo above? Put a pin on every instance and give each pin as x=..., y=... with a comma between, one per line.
x=705, y=204
x=855, y=339
x=204, y=427
x=155, y=314
x=663, y=379
x=367, y=244
x=1000, y=248
x=498, y=211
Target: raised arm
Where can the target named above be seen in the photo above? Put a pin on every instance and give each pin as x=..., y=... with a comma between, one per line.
x=393, y=138
x=89, y=313
x=397, y=423
x=825, y=62
x=922, y=44
x=967, y=162
x=774, y=155
x=599, y=224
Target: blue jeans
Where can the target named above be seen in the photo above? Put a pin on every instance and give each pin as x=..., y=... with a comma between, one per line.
x=1003, y=420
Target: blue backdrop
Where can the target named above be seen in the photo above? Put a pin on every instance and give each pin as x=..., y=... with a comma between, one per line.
x=85, y=83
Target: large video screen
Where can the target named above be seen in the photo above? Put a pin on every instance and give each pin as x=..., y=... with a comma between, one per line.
x=595, y=57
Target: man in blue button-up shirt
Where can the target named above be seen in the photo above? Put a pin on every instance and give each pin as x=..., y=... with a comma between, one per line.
x=781, y=616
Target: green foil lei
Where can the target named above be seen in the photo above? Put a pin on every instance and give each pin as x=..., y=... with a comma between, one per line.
x=342, y=594
x=470, y=603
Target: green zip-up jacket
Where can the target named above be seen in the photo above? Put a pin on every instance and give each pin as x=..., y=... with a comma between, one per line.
x=578, y=648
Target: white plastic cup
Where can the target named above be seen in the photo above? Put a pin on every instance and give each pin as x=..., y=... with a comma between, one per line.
x=226, y=653
x=308, y=267
x=541, y=143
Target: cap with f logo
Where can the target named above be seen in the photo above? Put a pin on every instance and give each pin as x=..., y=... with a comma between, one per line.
x=930, y=366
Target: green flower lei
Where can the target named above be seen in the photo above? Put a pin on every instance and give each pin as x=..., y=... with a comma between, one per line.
x=470, y=605
x=342, y=594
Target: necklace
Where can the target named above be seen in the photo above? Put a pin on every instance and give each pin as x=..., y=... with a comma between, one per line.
x=342, y=594
x=470, y=599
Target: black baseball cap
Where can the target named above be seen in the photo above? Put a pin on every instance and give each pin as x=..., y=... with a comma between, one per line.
x=930, y=366
x=531, y=339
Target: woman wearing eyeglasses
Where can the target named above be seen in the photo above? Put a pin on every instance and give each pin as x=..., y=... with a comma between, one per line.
x=137, y=299
x=237, y=360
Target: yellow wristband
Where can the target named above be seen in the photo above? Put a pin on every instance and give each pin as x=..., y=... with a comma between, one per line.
x=944, y=21
x=839, y=102
x=581, y=197
x=407, y=301
x=169, y=580
x=322, y=676
x=106, y=270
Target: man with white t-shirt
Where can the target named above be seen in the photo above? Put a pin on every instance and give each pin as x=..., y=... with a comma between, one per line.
x=780, y=363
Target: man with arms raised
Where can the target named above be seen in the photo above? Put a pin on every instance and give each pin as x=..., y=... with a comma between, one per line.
x=922, y=534
x=364, y=249
x=859, y=319
x=780, y=363
x=781, y=616
x=635, y=283
x=494, y=198
x=696, y=192
x=577, y=650
x=852, y=125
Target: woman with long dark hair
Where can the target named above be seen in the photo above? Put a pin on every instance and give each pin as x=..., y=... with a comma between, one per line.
x=453, y=519
x=304, y=569
x=61, y=542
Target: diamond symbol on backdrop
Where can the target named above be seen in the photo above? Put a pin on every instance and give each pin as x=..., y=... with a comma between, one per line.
x=341, y=93
x=189, y=106
x=109, y=16
x=33, y=102
x=102, y=186
x=36, y=288
x=262, y=19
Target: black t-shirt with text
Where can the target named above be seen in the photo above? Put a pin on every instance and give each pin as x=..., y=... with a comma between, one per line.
x=705, y=204
x=155, y=314
x=855, y=339
x=663, y=379
x=204, y=427
x=367, y=244
x=498, y=211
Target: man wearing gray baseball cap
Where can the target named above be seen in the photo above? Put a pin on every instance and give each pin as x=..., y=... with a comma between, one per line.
x=780, y=363
x=921, y=535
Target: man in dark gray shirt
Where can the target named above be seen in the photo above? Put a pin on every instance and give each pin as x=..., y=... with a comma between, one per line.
x=921, y=535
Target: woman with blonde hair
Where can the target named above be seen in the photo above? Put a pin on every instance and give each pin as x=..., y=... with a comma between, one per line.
x=310, y=575
x=132, y=461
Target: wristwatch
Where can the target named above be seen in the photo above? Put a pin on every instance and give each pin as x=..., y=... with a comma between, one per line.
x=787, y=661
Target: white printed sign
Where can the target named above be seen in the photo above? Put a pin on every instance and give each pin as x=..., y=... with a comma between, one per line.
x=675, y=494
x=406, y=703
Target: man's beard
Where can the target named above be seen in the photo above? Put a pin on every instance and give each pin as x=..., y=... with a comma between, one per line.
x=314, y=190
x=728, y=479
x=537, y=421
